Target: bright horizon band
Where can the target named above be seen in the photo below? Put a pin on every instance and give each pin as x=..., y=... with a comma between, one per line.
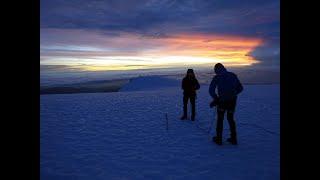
x=95, y=51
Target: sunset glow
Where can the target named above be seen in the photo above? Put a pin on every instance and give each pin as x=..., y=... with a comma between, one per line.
x=107, y=37
x=130, y=51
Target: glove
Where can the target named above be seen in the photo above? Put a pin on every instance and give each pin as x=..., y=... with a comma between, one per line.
x=215, y=102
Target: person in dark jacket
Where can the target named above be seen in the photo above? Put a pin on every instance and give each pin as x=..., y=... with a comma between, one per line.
x=189, y=85
x=228, y=87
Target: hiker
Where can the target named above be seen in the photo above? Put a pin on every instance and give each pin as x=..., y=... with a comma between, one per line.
x=228, y=86
x=189, y=85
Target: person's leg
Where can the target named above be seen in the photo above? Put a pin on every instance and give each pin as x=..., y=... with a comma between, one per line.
x=220, y=118
x=185, y=107
x=219, y=127
x=232, y=124
x=193, y=104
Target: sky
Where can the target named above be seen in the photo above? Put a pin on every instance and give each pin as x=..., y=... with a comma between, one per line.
x=126, y=35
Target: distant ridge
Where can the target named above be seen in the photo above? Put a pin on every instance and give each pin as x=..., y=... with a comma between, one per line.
x=85, y=87
x=147, y=83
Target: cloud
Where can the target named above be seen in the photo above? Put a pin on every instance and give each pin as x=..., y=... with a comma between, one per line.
x=52, y=67
x=79, y=31
x=105, y=51
x=146, y=16
x=268, y=53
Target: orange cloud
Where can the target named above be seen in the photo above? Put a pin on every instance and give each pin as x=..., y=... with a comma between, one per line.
x=230, y=49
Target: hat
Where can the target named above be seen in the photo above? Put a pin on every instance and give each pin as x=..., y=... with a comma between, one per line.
x=190, y=71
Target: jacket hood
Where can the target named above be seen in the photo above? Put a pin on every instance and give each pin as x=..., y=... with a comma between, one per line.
x=219, y=69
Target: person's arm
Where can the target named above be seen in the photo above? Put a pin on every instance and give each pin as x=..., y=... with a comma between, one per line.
x=212, y=88
x=197, y=84
x=239, y=86
x=183, y=86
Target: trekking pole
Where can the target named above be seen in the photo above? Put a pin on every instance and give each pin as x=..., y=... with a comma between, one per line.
x=167, y=123
x=189, y=109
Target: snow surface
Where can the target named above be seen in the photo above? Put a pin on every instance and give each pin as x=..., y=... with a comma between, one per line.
x=123, y=135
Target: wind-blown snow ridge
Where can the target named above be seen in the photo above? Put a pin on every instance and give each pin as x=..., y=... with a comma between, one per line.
x=147, y=83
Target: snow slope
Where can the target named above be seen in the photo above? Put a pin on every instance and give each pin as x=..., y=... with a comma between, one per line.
x=147, y=83
x=123, y=136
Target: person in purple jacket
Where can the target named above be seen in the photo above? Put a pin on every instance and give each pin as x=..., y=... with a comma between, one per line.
x=228, y=87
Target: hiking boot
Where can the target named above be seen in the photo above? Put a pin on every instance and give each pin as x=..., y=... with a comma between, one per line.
x=183, y=117
x=232, y=141
x=217, y=140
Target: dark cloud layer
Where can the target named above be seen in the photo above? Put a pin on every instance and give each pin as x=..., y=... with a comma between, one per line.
x=227, y=16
